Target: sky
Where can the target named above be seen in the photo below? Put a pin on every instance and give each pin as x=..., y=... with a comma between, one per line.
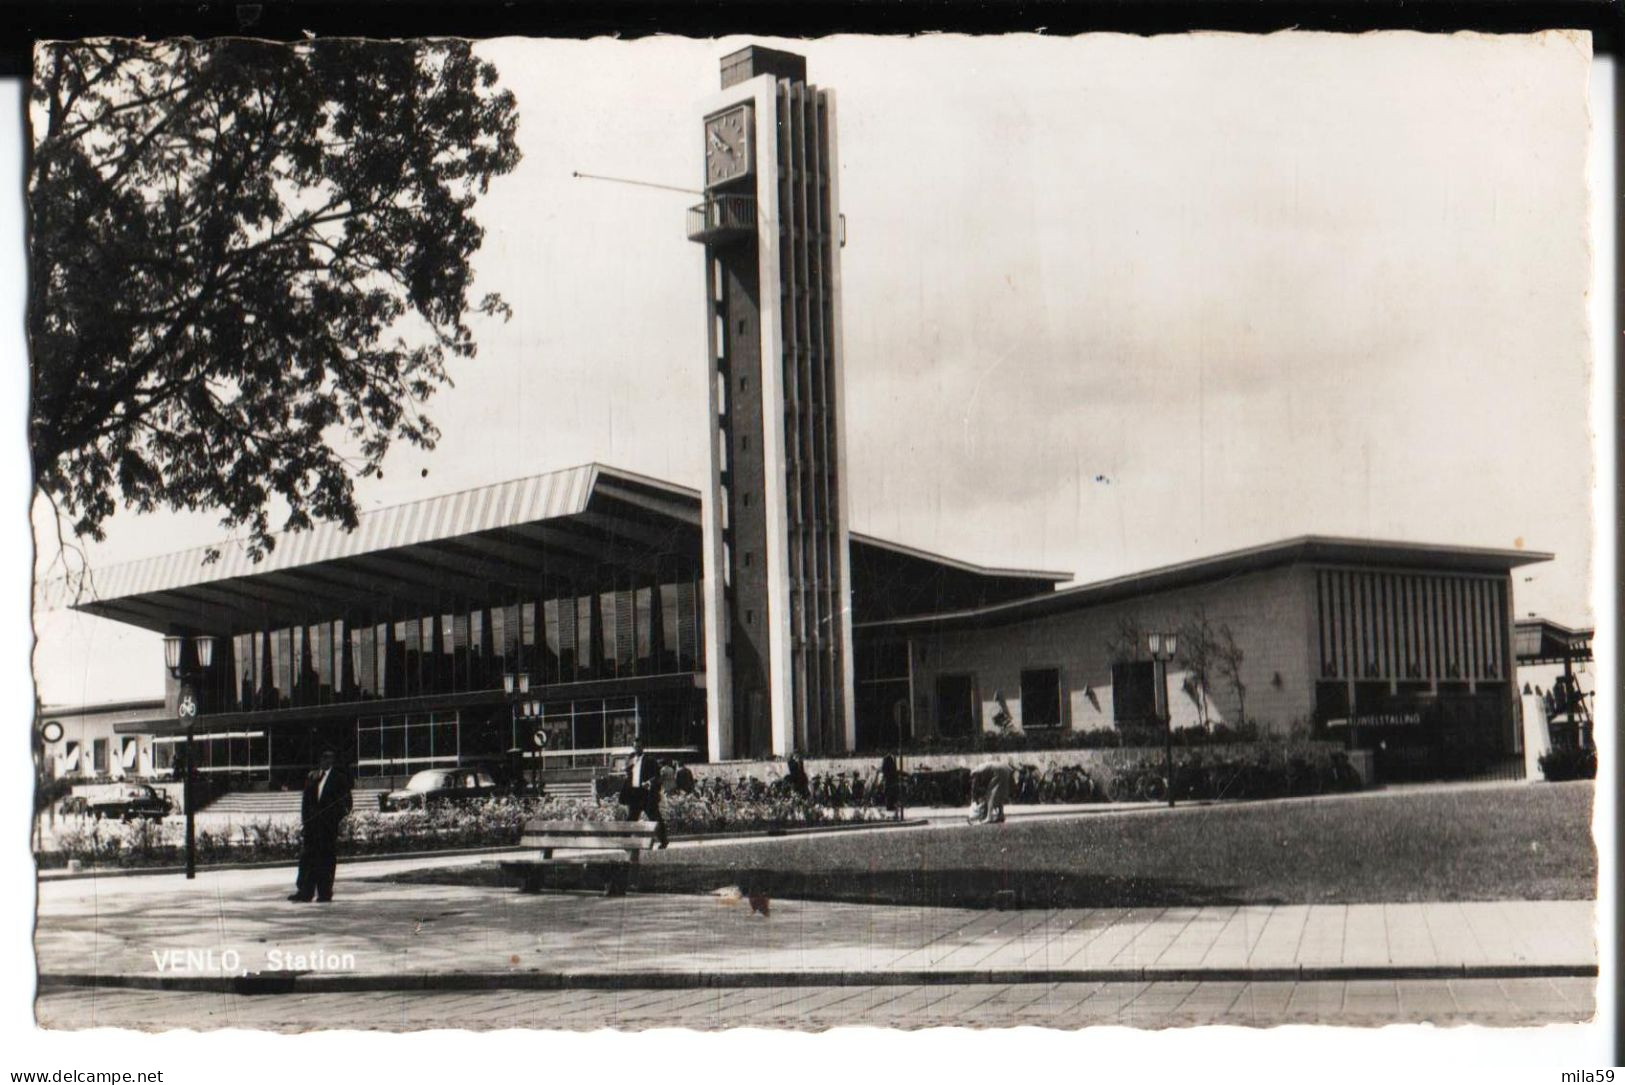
x=1109, y=302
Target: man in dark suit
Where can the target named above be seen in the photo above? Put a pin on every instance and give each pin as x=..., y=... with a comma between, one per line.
x=641, y=792
x=323, y=809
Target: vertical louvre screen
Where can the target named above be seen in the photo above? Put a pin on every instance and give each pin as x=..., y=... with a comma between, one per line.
x=1405, y=626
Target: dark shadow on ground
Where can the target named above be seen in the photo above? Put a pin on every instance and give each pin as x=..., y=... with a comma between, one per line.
x=967, y=887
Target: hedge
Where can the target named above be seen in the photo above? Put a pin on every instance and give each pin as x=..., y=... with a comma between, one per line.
x=493, y=823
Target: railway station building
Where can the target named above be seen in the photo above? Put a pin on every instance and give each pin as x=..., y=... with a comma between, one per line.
x=556, y=617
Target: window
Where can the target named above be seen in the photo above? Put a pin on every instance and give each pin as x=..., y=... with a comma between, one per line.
x=1134, y=695
x=1041, y=698
x=956, y=704
x=645, y=603
x=364, y=656
x=398, y=745
x=98, y=756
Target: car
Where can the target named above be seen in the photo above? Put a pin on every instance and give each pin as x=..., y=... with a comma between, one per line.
x=127, y=802
x=432, y=787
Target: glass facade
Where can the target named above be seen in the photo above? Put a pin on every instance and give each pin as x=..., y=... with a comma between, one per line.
x=398, y=745
x=634, y=628
x=233, y=751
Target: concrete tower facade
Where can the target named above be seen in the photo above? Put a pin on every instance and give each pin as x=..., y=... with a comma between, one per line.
x=778, y=622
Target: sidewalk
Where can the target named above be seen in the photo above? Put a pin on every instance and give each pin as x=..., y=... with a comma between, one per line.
x=232, y=930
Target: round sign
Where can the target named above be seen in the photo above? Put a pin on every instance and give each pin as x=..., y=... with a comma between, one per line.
x=187, y=708
x=51, y=732
x=539, y=738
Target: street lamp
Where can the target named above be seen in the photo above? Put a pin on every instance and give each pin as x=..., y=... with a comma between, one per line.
x=1164, y=646
x=516, y=686
x=186, y=708
x=172, y=654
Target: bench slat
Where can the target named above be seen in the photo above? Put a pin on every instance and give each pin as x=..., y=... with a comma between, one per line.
x=617, y=843
x=590, y=828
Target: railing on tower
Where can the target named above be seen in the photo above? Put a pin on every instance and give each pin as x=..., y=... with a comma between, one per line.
x=722, y=218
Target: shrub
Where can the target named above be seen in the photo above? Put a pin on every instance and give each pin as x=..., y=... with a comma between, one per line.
x=497, y=822
x=1569, y=764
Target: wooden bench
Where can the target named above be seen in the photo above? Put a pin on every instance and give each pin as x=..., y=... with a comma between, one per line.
x=632, y=837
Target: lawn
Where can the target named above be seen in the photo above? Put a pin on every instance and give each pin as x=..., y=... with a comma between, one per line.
x=1485, y=844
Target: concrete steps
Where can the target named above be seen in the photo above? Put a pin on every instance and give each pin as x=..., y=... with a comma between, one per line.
x=254, y=803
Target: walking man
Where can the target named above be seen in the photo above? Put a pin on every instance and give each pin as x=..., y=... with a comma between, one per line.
x=641, y=793
x=323, y=808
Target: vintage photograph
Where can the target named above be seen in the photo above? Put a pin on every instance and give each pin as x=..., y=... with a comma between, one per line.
x=857, y=531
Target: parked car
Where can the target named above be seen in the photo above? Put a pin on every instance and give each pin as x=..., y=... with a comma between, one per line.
x=127, y=802
x=434, y=786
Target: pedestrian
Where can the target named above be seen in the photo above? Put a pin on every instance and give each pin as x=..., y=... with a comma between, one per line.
x=640, y=794
x=322, y=809
x=991, y=783
x=795, y=771
x=891, y=786
x=652, y=789
x=685, y=780
x=632, y=793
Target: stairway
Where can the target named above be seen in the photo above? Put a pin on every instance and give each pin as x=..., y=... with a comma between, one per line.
x=267, y=803
x=568, y=789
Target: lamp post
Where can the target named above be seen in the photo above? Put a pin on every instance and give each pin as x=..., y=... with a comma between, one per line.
x=175, y=660
x=516, y=686
x=1164, y=646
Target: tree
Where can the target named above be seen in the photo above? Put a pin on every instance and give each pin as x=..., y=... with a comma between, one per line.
x=1127, y=643
x=249, y=267
x=1198, y=651
x=1229, y=657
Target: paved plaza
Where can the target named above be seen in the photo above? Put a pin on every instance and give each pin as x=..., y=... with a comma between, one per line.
x=159, y=951
x=1136, y=1004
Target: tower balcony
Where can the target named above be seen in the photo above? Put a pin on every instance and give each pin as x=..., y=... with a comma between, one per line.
x=722, y=219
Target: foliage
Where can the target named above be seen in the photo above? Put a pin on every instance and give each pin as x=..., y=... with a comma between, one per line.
x=1126, y=735
x=496, y=822
x=1199, y=653
x=1127, y=642
x=1256, y=771
x=1568, y=763
x=249, y=266
x=1228, y=658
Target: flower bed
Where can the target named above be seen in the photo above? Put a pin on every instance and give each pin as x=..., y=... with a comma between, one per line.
x=1255, y=771
x=495, y=823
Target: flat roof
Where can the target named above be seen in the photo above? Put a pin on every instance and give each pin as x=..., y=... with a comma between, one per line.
x=955, y=563
x=1303, y=548
x=1541, y=640
x=561, y=523
x=146, y=708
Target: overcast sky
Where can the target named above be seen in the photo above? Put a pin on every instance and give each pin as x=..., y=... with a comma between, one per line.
x=1109, y=302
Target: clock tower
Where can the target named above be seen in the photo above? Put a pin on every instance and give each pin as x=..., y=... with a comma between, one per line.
x=778, y=625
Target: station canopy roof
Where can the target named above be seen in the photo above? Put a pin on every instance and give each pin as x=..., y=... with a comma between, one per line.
x=560, y=528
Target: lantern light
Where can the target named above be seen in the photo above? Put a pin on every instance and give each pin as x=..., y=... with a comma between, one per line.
x=1171, y=642
x=205, y=651
x=507, y=683
x=524, y=681
x=1155, y=641
x=172, y=653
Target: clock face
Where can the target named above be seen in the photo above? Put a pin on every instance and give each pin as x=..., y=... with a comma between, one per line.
x=728, y=145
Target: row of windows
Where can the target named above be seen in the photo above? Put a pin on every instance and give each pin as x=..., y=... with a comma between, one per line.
x=647, y=630
x=958, y=710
